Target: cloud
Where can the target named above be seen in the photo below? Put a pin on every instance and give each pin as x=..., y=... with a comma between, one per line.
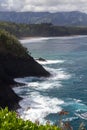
x=44, y=5
x=11, y=5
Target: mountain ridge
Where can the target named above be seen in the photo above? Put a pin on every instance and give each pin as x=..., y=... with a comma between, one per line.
x=73, y=18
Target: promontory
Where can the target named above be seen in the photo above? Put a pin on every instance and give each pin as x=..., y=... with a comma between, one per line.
x=15, y=61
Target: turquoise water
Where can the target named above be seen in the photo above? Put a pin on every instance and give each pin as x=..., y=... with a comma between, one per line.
x=66, y=89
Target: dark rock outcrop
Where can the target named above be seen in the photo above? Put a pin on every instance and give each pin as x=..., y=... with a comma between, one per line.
x=15, y=61
x=41, y=59
x=12, y=67
x=8, y=97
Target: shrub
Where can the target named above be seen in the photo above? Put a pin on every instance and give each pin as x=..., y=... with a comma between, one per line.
x=10, y=121
x=10, y=44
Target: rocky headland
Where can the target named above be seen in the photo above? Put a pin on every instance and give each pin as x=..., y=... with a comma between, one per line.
x=15, y=62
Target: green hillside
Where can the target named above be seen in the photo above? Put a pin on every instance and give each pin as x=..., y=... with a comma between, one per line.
x=10, y=44
x=43, y=30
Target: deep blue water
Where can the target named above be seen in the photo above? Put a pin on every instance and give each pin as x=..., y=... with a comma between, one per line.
x=66, y=89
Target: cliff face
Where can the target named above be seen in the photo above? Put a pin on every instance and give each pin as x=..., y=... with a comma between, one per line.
x=14, y=62
x=7, y=97
x=12, y=67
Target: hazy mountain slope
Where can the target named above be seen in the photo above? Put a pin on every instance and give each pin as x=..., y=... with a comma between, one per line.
x=61, y=18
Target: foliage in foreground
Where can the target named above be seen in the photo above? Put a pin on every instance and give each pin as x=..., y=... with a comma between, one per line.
x=9, y=120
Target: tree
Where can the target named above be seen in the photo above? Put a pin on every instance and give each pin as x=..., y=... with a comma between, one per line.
x=10, y=44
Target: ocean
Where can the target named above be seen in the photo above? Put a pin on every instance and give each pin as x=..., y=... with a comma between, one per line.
x=66, y=89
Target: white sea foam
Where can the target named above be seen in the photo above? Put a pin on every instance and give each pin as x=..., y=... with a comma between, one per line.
x=20, y=80
x=58, y=74
x=80, y=109
x=62, y=76
x=50, y=62
x=36, y=103
x=82, y=116
x=76, y=104
x=37, y=107
x=70, y=119
x=77, y=100
x=43, y=84
x=26, y=80
x=38, y=39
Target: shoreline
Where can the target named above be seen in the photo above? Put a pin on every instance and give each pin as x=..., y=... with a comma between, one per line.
x=37, y=37
x=11, y=67
x=24, y=38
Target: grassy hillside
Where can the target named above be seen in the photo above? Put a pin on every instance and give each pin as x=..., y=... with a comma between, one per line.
x=43, y=30
x=10, y=44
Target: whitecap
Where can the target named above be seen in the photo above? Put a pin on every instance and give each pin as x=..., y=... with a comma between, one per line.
x=82, y=116
x=70, y=119
x=23, y=80
x=50, y=62
x=37, y=107
x=33, y=84
x=58, y=74
x=79, y=109
x=26, y=80
x=62, y=76
x=77, y=100
x=46, y=85
x=42, y=83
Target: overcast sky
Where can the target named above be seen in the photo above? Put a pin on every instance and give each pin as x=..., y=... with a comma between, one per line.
x=43, y=5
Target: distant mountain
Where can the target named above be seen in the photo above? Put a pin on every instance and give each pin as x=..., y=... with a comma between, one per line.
x=73, y=18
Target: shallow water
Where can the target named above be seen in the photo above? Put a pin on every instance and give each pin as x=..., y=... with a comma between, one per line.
x=43, y=98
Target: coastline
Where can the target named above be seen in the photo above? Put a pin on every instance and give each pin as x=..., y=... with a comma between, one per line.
x=50, y=37
x=12, y=67
x=15, y=62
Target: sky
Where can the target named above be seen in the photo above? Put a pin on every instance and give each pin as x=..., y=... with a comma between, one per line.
x=43, y=5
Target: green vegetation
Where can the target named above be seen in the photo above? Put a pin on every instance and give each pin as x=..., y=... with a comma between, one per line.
x=43, y=30
x=10, y=44
x=10, y=121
